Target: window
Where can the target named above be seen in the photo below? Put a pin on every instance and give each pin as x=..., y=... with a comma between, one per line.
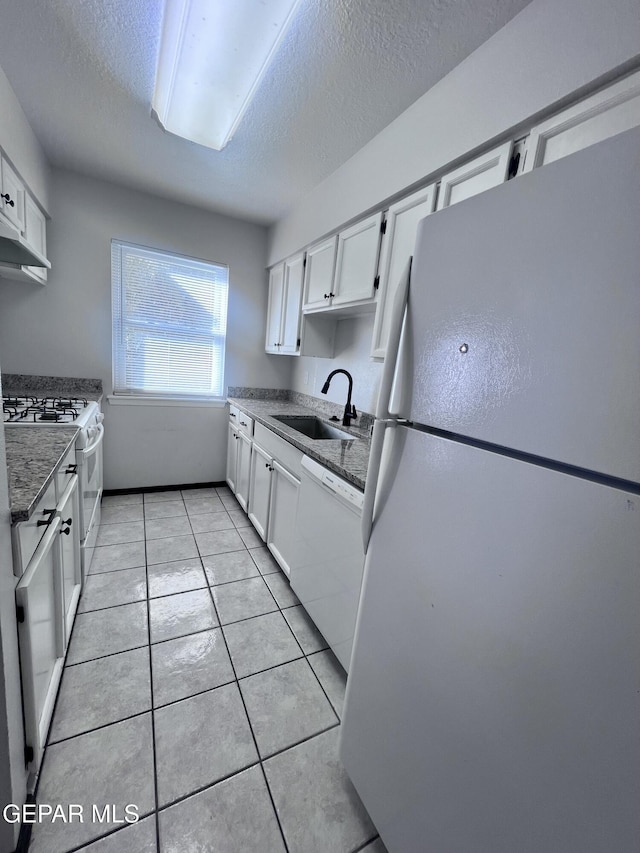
x=169, y=323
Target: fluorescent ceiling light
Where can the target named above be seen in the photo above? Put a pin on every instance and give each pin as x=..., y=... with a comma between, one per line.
x=213, y=55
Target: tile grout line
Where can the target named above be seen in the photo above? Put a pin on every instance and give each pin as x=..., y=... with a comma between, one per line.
x=153, y=713
x=237, y=682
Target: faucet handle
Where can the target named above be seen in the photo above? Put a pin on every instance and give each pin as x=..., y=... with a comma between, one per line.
x=354, y=414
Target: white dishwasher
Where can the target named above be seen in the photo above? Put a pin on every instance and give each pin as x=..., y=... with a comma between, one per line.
x=328, y=555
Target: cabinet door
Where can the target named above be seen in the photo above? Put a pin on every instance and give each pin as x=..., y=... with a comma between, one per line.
x=282, y=513
x=12, y=196
x=232, y=457
x=243, y=470
x=397, y=247
x=318, y=281
x=69, y=535
x=357, y=262
x=293, y=275
x=35, y=234
x=611, y=111
x=260, y=488
x=487, y=171
x=274, y=310
x=41, y=638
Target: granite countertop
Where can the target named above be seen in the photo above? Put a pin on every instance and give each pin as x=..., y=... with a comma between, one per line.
x=348, y=459
x=33, y=454
x=24, y=385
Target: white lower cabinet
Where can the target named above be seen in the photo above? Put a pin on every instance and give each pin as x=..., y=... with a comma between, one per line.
x=260, y=489
x=70, y=553
x=243, y=469
x=282, y=513
x=41, y=633
x=232, y=456
x=47, y=559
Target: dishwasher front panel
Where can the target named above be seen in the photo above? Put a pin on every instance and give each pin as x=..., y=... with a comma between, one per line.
x=327, y=564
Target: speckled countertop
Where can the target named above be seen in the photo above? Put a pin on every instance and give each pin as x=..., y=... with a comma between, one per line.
x=348, y=459
x=33, y=454
x=51, y=386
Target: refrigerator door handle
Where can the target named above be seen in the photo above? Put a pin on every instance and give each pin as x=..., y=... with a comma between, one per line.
x=373, y=477
x=393, y=344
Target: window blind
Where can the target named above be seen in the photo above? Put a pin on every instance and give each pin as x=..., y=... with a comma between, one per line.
x=169, y=322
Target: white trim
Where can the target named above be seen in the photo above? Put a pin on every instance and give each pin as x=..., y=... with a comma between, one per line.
x=135, y=400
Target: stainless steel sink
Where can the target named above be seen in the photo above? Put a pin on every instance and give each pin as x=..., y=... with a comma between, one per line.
x=313, y=427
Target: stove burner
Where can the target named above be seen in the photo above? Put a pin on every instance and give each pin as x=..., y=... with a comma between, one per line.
x=46, y=415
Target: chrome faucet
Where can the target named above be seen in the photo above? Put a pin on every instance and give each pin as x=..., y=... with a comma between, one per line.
x=349, y=410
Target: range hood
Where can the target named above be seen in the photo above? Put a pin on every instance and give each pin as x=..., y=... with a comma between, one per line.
x=15, y=252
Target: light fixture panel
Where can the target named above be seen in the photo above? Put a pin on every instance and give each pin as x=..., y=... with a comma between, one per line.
x=213, y=55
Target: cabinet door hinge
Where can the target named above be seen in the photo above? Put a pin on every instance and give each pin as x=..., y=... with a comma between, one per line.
x=298, y=342
x=383, y=226
x=304, y=262
x=28, y=754
x=20, y=613
x=376, y=282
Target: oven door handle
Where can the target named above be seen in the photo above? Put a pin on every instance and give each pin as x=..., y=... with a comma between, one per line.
x=91, y=448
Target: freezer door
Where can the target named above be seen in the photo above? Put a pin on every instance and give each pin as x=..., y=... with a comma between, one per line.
x=524, y=312
x=494, y=692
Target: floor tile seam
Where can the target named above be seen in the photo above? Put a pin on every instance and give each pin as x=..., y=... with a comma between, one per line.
x=232, y=680
x=235, y=680
x=273, y=806
x=153, y=722
x=178, y=592
x=203, y=788
x=255, y=741
x=108, y=834
x=182, y=636
x=109, y=654
x=105, y=523
x=110, y=606
x=368, y=841
x=112, y=571
x=100, y=727
x=299, y=742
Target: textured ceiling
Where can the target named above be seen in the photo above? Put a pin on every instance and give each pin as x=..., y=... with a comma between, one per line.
x=83, y=71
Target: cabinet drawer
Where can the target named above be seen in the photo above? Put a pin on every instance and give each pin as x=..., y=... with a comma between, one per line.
x=245, y=424
x=240, y=420
x=65, y=472
x=27, y=534
x=288, y=455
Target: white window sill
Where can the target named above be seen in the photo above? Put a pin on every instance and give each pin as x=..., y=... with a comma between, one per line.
x=148, y=400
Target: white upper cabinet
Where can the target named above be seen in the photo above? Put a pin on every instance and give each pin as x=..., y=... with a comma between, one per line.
x=35, y=234
x=476, y=176
x=357, y=262
x=397, y=247
x=318, y=279
x=291, y=304
x=288, y=331
x=274, y=311
x=283, y=313
x=11, y=195
x=605, y=114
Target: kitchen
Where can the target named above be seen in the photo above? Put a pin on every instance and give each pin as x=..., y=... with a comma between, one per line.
x=68, y=326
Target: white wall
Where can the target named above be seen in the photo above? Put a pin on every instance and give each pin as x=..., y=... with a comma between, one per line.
x=20, y=144
x=540, y=58
x=353, y=344
x=65, y=328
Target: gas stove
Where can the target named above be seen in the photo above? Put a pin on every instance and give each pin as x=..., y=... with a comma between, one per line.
x=47, y=411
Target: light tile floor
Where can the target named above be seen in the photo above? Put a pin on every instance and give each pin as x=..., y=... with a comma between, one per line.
x=197, y=689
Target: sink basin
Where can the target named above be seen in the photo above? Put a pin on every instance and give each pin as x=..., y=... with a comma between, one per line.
x=313, y=427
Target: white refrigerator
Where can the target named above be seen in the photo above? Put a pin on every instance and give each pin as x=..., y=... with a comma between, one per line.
x=493, y=701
